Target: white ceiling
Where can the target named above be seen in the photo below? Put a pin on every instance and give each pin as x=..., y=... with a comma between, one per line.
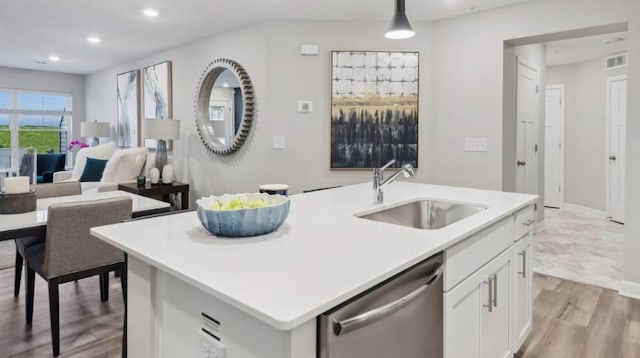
x=583, y=49
x=34, y=29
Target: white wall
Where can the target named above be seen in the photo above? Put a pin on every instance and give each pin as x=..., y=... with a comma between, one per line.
x=467, y=85
x=270, y=54
x=14, y=78
x=585, y=130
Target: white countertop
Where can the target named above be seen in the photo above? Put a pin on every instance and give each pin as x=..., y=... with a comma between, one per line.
x=39, y=217
x=320, y=257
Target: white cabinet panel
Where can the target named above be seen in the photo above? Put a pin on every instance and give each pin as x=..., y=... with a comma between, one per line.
x=523, y=281
x=477, y=313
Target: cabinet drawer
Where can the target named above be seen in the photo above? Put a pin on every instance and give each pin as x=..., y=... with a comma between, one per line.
x=468, y=256
x=525, y=221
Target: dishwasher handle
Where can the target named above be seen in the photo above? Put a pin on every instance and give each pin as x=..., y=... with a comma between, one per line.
x=351, y=324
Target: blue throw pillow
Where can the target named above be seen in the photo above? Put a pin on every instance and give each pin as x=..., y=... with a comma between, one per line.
x=93, y=170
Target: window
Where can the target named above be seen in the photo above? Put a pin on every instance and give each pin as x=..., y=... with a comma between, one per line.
x=38, y=120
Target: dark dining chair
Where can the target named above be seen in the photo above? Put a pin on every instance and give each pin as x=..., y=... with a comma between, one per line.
x=43, y=191
x=70, y=252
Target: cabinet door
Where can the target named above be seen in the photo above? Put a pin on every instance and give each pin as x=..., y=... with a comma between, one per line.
x=463, y=315
x=477, y=313
x=496, y=329
x=523, y=302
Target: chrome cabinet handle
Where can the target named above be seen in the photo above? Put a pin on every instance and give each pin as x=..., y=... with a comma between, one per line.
x=351, y=324
x=524, y=263
x=492, y=284
x=612, y=158
x=521, y=163
x=529, y=222
x=495, y=290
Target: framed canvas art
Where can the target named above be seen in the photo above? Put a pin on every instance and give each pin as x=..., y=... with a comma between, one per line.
x=374, y=108
x=128, y=121
x=157, y=97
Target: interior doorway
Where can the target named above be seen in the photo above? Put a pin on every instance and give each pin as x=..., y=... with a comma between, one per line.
x=569, y=143
x=554, y=146
x=617, y=129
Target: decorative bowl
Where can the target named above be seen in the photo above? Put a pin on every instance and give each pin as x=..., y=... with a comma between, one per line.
x=243, y=222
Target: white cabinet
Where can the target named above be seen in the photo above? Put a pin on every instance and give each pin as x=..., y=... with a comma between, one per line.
x=488, y=290
x=477, y=313
x=523, y=281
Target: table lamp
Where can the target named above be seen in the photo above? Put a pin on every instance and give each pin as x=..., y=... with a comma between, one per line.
x=162, y=130
x=95, y=130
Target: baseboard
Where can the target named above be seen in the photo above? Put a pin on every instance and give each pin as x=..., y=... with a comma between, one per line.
x=539, y=227
x=630, y=289
x=585, y=210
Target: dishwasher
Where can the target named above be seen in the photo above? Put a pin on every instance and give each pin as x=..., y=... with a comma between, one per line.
x=399, y=318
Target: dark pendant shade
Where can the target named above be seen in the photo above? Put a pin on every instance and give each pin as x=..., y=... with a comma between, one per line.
x=400, y=26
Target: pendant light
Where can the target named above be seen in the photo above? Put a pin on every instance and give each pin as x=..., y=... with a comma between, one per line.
x=400, y=26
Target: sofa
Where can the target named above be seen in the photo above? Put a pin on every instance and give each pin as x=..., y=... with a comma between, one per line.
x=123, y=166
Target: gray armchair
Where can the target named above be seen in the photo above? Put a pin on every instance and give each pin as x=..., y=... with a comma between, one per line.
x=70, y=252
x=43, y=191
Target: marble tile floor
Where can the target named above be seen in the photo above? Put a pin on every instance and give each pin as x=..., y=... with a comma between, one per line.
x=580, y=247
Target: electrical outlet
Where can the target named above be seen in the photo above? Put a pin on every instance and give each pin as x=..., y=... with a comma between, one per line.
x=211, y=347
x=475, y=145
x=305, y=106
x=279, y=142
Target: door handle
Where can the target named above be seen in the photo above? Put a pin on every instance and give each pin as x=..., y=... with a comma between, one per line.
x=351, y=324
x=521, y=163
x=495, y=290
x=612, y=158
x=524, y=264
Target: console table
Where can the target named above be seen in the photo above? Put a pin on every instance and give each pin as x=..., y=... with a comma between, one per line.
x=160, y=190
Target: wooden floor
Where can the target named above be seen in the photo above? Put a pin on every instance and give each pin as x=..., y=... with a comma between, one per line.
x=571, y=320
x=88, y=328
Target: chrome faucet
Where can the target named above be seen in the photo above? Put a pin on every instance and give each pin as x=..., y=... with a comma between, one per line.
x=379, y=182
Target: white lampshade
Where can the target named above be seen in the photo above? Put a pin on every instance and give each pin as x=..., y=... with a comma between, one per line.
x=95, y=129
x=161, y=129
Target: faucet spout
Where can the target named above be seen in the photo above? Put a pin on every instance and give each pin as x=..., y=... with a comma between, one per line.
x=379, y=182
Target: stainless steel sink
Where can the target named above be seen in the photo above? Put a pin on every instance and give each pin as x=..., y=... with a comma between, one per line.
x=424, y=214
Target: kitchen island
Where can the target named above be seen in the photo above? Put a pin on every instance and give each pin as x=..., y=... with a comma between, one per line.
x=260, y=296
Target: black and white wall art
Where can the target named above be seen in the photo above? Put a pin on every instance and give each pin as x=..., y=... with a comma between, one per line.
x=157, y=94
x=128, y=93
x=374, y=108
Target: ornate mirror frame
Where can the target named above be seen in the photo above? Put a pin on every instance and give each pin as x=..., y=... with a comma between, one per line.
x=203, y=94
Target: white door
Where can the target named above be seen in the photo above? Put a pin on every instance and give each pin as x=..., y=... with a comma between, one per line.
x=553, y=146
x=526, y=120
x=617, y=108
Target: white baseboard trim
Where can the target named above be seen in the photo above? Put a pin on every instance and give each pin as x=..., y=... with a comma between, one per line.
x=539, y=227
x=630, y=289
x=585, y=210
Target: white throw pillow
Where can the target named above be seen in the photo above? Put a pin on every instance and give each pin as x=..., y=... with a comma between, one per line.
x=102, y=151
x=124, y=165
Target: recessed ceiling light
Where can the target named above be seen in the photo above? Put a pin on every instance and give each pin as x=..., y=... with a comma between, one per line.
x=150, y=12
x=613, y=40
x=94, y=39
x=54, y=58
x=226, y=84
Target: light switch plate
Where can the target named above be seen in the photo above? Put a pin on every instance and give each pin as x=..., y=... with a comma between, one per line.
x=309, y=49
x=305, y=106
x=279, y=142
x=475, y=145
x=211, y=347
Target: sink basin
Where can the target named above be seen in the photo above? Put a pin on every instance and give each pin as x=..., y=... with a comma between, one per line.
x=424, y=214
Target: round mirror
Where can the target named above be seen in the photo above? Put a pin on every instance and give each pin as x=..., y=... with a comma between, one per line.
x=224, y=106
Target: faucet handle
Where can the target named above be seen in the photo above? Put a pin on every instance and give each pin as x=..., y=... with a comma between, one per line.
x=391, y=162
